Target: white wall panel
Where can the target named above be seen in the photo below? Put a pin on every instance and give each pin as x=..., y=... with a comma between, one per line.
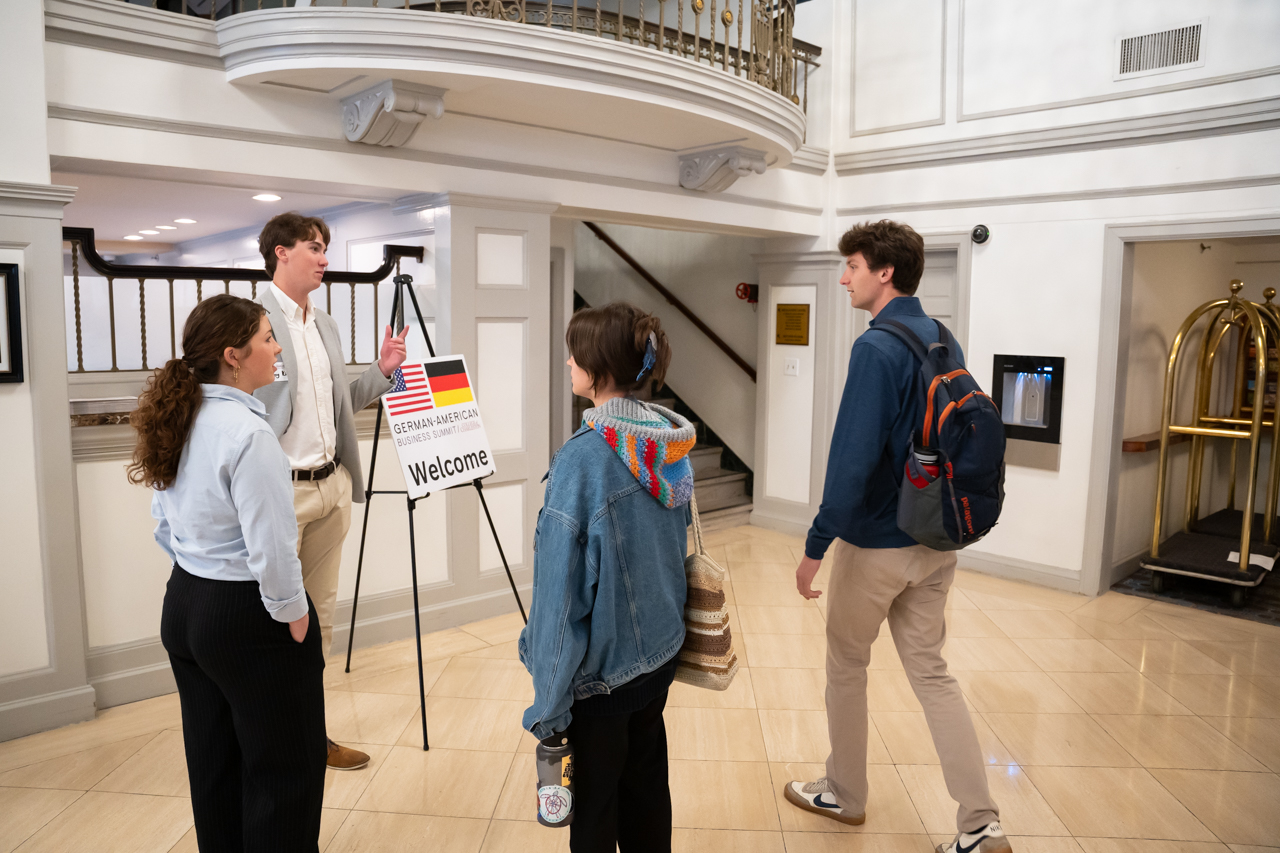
x=937, y=290
x=22, y=608
x=500, y=380
x=125, y=571
x=1018, y=55
x=23, y=156
x=506, y=504
x=790, y=421
x=899, y=59
x=500, y=260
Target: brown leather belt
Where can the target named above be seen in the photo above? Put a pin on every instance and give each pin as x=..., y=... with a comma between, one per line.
x=318, y=473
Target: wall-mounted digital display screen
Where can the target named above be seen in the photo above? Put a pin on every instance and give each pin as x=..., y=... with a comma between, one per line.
x=1028, y=391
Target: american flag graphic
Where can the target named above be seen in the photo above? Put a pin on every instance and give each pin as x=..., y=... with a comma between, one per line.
x=411, y=393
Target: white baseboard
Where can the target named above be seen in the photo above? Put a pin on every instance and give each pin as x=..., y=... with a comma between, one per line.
x=388, y=617
x=1003, y=567
x=130, y=672
x=49, y=711
x=783, y=524
x=1053, y=577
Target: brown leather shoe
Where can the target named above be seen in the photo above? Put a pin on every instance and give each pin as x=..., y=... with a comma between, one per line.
x=346, y=758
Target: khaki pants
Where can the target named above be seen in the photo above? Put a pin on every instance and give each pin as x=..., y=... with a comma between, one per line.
x=324, y=516
x=909, y=585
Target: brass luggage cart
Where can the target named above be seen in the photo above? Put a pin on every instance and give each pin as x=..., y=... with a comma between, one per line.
x=1222, y=546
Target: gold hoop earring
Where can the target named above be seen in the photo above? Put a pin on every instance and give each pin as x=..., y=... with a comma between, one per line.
x=235, y=375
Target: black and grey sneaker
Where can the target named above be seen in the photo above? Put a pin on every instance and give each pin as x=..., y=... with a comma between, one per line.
x=989, y=839
x=816, y=797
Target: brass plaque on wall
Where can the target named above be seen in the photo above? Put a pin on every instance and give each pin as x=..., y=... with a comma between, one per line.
x=793, y=325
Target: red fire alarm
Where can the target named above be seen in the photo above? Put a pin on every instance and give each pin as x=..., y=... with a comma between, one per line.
x=749, y=292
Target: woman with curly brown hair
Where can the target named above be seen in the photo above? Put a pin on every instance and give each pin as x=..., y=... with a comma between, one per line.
x=241, y=633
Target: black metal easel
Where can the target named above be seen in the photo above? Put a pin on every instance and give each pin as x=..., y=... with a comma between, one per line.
x=404, y=284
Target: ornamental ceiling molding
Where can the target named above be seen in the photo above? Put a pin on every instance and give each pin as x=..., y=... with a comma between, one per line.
x=418, y=202
x=151, y=124
x=41, y=201
x=388, y=114
x=718, y=169
x=1218, y=120
x=47, y=193
x=259, y=45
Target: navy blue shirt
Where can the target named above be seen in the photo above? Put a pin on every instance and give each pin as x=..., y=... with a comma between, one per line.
x=878, y=412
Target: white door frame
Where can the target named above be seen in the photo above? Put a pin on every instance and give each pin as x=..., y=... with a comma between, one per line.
x=1113, y=359
x=963, y=245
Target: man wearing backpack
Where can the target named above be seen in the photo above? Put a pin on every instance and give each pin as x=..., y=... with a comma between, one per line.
x=879, y=571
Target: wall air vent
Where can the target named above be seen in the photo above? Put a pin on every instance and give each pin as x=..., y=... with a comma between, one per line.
x=1155, y=53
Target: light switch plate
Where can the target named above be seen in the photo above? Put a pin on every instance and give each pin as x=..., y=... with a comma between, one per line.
x=791, y=367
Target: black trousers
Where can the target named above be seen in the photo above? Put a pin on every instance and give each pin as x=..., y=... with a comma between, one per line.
x=622, y=795
x=252, y=717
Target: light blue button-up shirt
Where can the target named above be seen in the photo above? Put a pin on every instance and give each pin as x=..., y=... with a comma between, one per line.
x=228, y=515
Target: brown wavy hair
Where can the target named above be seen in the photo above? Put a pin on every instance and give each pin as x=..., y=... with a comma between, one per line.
x=887, y=242
x=610, y=341
x=167, y=406
x=287, y=229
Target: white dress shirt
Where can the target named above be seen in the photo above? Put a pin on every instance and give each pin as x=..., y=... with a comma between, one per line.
x=228, y=515
x=312, y=437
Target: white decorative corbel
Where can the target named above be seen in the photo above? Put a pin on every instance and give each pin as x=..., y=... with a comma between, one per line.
x=388, y=113
x=715, y=171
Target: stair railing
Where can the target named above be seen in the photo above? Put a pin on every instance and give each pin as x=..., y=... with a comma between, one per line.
x=673, y=299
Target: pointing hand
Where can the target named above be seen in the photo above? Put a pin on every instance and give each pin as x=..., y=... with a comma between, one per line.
x=393, y=352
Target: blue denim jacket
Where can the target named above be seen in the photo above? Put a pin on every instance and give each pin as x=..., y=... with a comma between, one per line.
x=608, y=582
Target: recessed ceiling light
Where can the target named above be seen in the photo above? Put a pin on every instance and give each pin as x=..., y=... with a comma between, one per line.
x=185, y=221
x=167, y=227
x=266, y=197
x=133, y=237
x=148, y=232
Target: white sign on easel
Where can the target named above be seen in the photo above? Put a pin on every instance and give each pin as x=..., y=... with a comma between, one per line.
x=435, y=424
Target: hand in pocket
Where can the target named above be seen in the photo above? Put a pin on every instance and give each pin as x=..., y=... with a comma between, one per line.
x=298, y=628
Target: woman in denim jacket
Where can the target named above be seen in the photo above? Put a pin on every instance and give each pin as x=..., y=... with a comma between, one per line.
x=606, y=622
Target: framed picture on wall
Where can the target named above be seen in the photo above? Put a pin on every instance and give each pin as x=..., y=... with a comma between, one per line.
x=10, y=325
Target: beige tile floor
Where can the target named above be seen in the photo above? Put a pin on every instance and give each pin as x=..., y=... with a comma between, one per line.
x=1111, y=725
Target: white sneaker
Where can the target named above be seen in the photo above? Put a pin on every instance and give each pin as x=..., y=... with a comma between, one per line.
x=816, y=797
x=989, y=839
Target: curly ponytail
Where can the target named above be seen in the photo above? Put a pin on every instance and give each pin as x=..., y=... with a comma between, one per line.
x=168, y=404
x=613, y=341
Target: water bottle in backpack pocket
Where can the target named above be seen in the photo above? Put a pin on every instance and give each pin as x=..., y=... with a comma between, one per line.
x=953, y=486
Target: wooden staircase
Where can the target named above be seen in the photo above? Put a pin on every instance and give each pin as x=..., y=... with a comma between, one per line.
x=723, y=500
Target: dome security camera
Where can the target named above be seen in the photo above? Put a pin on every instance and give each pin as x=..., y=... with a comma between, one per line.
x=980, y=234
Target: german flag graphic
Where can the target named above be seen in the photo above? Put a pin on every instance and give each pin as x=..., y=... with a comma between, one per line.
x=448, y=381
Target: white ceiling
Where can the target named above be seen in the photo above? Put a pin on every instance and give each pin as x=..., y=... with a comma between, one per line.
x=115, y=206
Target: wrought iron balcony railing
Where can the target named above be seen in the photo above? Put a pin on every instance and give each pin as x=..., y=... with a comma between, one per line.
x=746, y=38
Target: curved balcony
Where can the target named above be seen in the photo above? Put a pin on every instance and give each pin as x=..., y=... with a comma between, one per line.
x=682, y=75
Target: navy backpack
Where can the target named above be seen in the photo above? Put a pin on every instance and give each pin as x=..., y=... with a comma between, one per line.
x=954, y=500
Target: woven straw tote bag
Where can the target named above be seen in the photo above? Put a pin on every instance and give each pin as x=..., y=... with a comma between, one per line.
x=706, y=658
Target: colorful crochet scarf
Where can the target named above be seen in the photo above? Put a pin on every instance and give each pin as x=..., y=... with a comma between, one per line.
x=653, y=442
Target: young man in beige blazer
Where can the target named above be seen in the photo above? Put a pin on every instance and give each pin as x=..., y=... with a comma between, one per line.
x=311, y=407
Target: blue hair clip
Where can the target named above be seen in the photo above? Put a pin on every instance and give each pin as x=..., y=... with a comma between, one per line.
x=650, y=356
